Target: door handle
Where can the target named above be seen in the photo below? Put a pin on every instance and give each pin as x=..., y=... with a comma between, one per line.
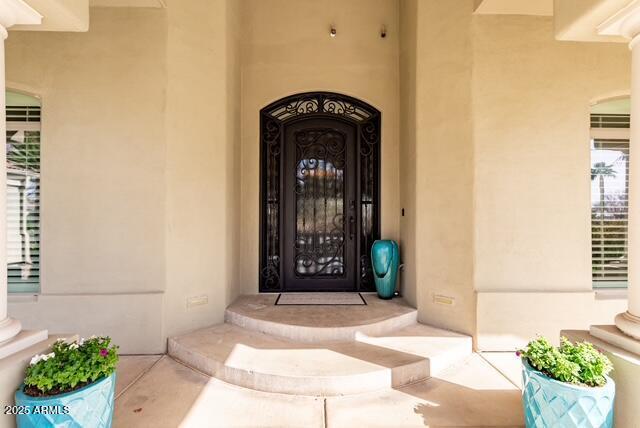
x=352, y=223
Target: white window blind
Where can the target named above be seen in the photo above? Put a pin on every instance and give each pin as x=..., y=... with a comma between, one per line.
x=23, y=198
x=609, y=199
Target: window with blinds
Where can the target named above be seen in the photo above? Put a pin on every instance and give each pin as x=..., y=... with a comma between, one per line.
x=609, y=199
x=23, y=194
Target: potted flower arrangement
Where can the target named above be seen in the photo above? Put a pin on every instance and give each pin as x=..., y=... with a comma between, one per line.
x=73, y=385
x=566, y=386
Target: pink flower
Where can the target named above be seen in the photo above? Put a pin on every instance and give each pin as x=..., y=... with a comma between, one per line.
x=518, y=353
x=104, y=352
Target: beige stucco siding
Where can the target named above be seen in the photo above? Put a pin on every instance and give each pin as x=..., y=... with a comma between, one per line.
x=150, y=159
x=286, y=50
x=139, y=160
x=444, y=165
x=201, y=129
x=408, y=102
x=103, y=156
x=531, y=133
x=531, y=98
x=102, y=149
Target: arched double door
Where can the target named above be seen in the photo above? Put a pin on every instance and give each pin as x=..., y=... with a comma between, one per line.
x=320, y=193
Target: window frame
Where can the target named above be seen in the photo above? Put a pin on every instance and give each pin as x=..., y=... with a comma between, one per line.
x=25, y=126
x=606, y=134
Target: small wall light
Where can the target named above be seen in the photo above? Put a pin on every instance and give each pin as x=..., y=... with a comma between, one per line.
x=383, y=32
x=333, y=31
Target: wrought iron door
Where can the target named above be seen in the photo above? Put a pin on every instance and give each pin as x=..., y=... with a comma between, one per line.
x=320, y=205
x=319, y=193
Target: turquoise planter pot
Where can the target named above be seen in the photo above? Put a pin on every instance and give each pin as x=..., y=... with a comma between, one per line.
x=385, y=257
x=551, y=403
x=88, y=407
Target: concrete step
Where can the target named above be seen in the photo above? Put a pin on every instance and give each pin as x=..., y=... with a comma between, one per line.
x=442, y=348
x=267, y=363
x=320, y=323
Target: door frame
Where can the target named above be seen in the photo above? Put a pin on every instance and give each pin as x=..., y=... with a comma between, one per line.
x=273, y=119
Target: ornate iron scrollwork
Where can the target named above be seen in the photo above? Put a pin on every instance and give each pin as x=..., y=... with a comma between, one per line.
x=320, y=240
x=312, y=258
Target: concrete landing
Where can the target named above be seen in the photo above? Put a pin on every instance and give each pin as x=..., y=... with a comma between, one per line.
x=309, y=323
x=468, y=394
x=172, y=395
x=131, y=368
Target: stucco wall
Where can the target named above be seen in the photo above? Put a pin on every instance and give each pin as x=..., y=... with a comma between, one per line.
x=140, y=156
x=443, y=164
x=495, y=131
x=201, y=132
x=287, y=49
x=531, y=98
x=103, y=155
x=151, y=151
x=408, y=45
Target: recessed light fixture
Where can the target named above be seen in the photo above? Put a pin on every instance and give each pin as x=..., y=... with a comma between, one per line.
x=333, y=31
x=383, y=31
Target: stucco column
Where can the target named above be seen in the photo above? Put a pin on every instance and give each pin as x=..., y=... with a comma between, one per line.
x=626, y=23
x=8, y=326
x=629, y=322
x=11, y=12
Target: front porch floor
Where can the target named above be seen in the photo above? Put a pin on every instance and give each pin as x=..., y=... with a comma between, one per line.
x=161, y=392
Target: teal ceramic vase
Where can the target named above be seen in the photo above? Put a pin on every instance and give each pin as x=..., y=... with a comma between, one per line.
x=551, y=403
x=90, y=406
x=385, y=257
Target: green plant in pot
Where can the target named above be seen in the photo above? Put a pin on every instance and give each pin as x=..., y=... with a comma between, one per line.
x=567, y=385
x=73, y=385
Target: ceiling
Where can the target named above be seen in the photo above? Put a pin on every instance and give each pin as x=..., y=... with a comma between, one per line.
x=127, y=3
x=485, y=7
x=73, y=15
x=515, y=7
